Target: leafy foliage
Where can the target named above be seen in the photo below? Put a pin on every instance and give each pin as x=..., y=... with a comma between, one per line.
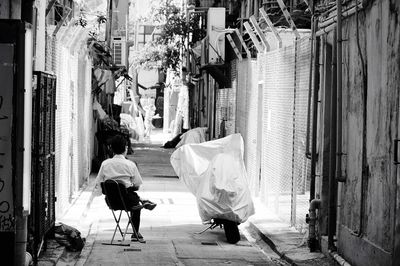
x=150, y=57
x=82, y=21
x=166, y=50
x=93, y=21
x=100, y=19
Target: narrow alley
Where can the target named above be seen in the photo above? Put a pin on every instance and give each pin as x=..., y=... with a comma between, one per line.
x=275, y=121
x=172, y=230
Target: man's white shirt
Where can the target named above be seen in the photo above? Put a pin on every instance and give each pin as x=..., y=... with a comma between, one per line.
x=118, y=168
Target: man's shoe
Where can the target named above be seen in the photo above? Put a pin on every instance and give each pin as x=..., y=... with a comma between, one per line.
x=149, y=205
x=135, y=239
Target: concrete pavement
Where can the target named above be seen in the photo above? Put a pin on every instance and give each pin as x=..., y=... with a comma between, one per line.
x=170, y=229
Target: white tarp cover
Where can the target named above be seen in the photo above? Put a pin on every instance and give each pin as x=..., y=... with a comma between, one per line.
x=196, y=135
x=214, y=172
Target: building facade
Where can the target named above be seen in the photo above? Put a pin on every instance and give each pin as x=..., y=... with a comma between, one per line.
x=316, y=100
x=60, y=150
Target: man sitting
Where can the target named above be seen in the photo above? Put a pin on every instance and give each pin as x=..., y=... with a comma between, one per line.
x=126, y=172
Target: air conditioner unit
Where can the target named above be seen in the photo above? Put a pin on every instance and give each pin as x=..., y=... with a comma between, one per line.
x=215, y=28
x=119, y=51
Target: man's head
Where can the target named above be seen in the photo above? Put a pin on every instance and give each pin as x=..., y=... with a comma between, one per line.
x=118, y=144
x=184, y=73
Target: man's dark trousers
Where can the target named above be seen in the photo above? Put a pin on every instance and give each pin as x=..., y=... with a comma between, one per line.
x=133, y=199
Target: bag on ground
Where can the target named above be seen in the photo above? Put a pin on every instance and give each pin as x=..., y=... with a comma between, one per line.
x=69, y=237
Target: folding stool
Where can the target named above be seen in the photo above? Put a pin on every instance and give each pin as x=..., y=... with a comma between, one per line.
x=116, y=194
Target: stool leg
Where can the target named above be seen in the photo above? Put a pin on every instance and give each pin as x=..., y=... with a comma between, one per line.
x=115, y=231
x=117, y=221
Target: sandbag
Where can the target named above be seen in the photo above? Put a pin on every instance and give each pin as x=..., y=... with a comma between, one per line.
x=214, y=172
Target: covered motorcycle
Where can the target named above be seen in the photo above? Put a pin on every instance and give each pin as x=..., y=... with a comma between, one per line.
x=214, y=172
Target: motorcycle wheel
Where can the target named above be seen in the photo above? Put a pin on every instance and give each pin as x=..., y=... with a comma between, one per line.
x=231, y=231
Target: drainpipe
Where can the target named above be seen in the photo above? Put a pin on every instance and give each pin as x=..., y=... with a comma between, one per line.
x=339, y=177
x=315, y=204
x=308, y=153
x=338, y=206
x=365, y=168
x=332, y=153
x=314, y=157
x=329, y=25
x=109, y=22
x=339, y=260
x=346, y=12
x=311, y=220
x=21, y=154
x=339, y=153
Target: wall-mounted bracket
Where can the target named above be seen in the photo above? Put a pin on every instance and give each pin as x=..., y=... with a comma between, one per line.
x=66, y=12
x=232, y=43
x=243, y=43
x=49, y=6
x=260, y=33
x=271, y=26
x=253, y=37
x=288, y=18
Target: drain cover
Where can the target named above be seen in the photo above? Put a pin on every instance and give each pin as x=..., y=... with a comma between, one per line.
x=209, y=243
x=132, y=249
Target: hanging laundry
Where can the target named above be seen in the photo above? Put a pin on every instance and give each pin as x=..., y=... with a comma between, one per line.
x=97, y=107
x=105, y=79
x=182, y=111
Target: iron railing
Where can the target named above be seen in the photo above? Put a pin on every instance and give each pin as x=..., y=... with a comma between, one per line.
x=43, y=198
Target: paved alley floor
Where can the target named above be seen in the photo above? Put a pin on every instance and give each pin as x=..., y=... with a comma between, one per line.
x=171, y=230
x=171, y=234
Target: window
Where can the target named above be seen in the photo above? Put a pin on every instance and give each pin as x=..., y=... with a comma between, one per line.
x=117, y=53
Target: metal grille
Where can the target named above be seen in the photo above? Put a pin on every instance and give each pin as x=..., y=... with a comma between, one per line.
x=49, y=53
x=276, y=166
x=231, y=98
x=221, y=112
x=241, y=103
x=271, y=114
x=247, y=118
x=252, y=154
x=74, y=124
x=117, y=53
x=75, y=153
x=43, y=197
x=84, y=114
x=63, y=128
x=284, y=166
x=225, y=115
x=301, y=165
